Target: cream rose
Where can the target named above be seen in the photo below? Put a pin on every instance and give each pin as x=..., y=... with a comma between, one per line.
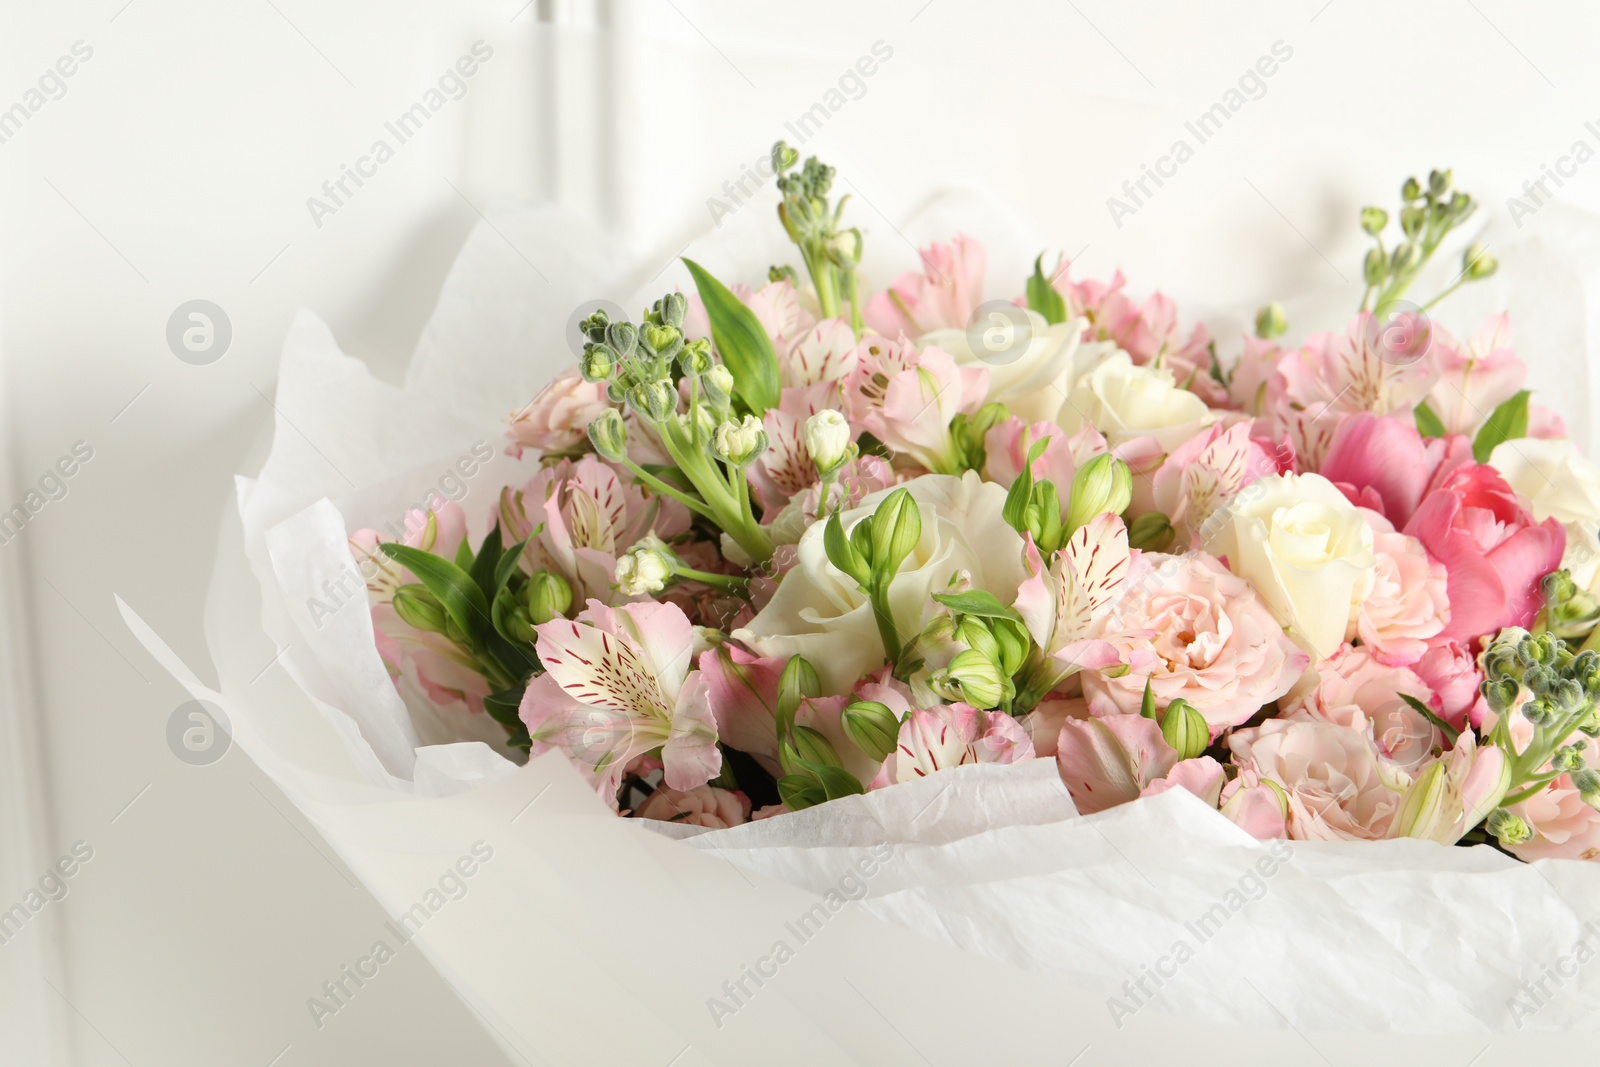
x=1560, y=483
x=1305, y=548
x=1124, y=401
x=1030, y=366
x=819, y=613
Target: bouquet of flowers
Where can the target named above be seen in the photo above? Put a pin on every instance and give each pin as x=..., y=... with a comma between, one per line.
x=802, y=541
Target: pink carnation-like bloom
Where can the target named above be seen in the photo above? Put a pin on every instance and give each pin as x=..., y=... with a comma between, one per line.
x=952, y=735
x=557, y=420
x=1407, y=606
x=617, y=685
x=1493, y=550
x=704, y=805
x=1336, y=787
x=1193, y=630
x=943, y=296
x=1355, y=690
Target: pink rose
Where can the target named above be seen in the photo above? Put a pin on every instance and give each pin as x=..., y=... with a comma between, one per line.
x=1194, y=631
x=1493, y=550
x=943, y=296
x=952, y=735
x=1451, y=671
x=557, y=420
x=1335, y=785
x=1355, y=690
x=1407, y=606
x=705, y=805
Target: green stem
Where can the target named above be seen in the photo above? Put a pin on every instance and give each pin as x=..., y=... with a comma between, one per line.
x=666, y=490
x=1533, y=786
x=879, y=597
x=731, y=583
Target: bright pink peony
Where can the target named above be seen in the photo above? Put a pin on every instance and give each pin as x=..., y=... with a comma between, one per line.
x=704, y=805
x=1493, y=550
x=1383, y=463
x=1195, y=631
x=943, y=296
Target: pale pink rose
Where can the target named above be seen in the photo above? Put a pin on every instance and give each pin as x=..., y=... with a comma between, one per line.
x=1407, y=606
x=1111, y=759
x=1353, y=689
x=952, y=735
x=1006, y=447
x=704, y=805
x=943, y=296
x=618, y=685
x=1372, y=367
x=557, y=420
x=1451, y=671
x=1335, y=785
x=908, y=399
x=1195, y=631
x=591, y=513
x=1475, y=377
x=1203, y=474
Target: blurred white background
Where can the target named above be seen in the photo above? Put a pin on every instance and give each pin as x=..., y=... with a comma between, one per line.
x=175, y=164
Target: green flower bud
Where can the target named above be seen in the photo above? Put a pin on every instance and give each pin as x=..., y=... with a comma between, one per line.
x=419, y=609
x=1477, y=263
x=871, y=727
x=1420, y=810
x=1271, y=321
x=664, y=341
x=1439, y=181
x=548, y=596
x=1015, y=644
x=977, y=678
x=1569, y=695
x=1375, y=268
x=518, y=624
x=1541, y=680
x=1373, y=220
x=598, y=364
x=896, y=528
x=1104, y=484
x=739, y=443
x=609, y=435
x=1461, y=205
x=674, y=307
x=844, y=553
x=808, y=745
x=1500, y=693
x=1586, y=782
x=1538, y=713
x=1405, y=259
x=972, y=632
x=1411, y=190
x=798, y=681
x=594, y=327
x=1507, y=828
x=783, y=157
x=695, y=360
x=654, y=400
x=622, y=336
x=1185, y=729
x=717, y=382
x=1568, y=758
x=1151, y=532
x=785, y=273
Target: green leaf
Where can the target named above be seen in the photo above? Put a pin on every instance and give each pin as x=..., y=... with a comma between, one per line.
x=487, y=563
x=1506, y=423
x=1147, y=706
x=507, y=566
x=504, y=707
x=1042, y=296
x=1428, y=424
x=452, y=586
x=979, y=602
x=464, y=555
x=741, y=341
x=1450, y=732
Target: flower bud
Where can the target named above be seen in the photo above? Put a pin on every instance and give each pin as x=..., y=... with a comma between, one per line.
x=1411, y=190
x=977, y=678
x=645, y=569
x=674, y=308
x=1015, y=644
x=783, y=157
x=827, y=436
x=1185, y=729
x=1375, y=268
x=548, y=596
x=654, y=400
x=622, y=336
x=718, y=385
x=896, y=528
x=609, y=435
x=808, y=745
x=1439, y=181
x=1569, y=695
x=517, y=623
x=1104, y=484
x=1507, y=828
x=1568, y=758
x=798, y=681
x=871, y=727
x=739, y=443
x=1271, y=321
x=598, y=364
x=1587, y=782
x=1501, y=694
x=1151, y=532
x=695, y=360
x=1405, y=258
x=1477, y=263
x=1373, y=220
x=972, y=632
x=419, y=609
x=1538, y=712
x=594, y=326
x=1420, y=810
x=664, y=341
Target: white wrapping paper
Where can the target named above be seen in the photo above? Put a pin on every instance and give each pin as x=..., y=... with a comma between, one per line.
x=1404, y=937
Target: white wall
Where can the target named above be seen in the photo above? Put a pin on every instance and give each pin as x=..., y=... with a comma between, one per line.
x=178, y=163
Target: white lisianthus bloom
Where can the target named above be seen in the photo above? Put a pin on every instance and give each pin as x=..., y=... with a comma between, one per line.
x=1030, y=362
x=1124, y=401
x=1560, y=483
x=1305, y=548
x=819, y=613
x=827, y=437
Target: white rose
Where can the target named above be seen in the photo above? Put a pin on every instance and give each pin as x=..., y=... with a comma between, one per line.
x=1306, y=549
x=1124, y=401
x=1560, y=483
x=819, y=613
x=1031, y=366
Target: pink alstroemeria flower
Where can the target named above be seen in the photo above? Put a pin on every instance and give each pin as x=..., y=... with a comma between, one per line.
x=908, y=399
x=1475, y=377
x=1006, y=447
x=943, y=296
x=1203, y=474
x=952, y=735
x=1113, y=759
x=618, y=685
x=1064, y=605
x=557, y=419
